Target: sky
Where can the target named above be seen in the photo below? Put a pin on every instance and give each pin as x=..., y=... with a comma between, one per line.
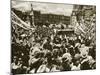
x=52, y=8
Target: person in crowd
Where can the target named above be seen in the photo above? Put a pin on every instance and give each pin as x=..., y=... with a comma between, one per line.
x=47, y=44
x=66, y=62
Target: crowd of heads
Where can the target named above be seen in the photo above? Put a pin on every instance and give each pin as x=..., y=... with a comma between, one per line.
x=52, y=53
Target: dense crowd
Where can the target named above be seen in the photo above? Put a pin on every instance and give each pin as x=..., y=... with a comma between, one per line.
x=52, y=53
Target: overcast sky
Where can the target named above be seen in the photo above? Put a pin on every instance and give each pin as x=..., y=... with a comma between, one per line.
x=53, y=8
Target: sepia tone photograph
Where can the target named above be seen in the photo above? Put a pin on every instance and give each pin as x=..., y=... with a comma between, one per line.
x=52, y=37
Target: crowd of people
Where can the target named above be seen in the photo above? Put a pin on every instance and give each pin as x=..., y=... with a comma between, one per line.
x=56, y=52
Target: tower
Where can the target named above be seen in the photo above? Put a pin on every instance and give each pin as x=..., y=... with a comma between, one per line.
x=31, y=16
